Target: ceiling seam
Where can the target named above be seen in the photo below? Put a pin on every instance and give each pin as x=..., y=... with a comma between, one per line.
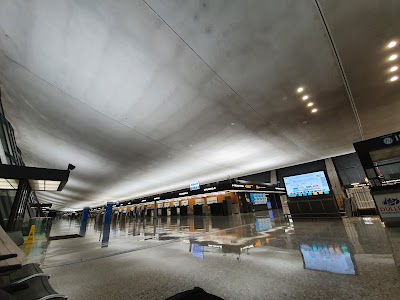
x=126, y=126
x=230, y=87
x=341, y=68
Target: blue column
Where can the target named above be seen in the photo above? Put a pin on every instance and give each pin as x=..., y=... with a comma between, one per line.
x=85, y=218
x=106, y=227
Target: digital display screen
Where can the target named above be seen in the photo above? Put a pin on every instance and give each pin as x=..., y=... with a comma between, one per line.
x=310, y=184
x=263, y=224
x=258, y=198
x=198, y=251
x=335, y=259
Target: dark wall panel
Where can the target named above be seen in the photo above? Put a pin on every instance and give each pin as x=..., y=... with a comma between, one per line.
x=349, y=169
x=259, y=177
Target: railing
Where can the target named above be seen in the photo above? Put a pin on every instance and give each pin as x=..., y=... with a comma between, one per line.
x=360, y=202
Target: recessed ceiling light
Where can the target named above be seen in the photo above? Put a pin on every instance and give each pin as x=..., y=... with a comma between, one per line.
x=233, y=124
x=300, y=89
x=393, y=57
x=190, y=145
x=314, y=110
x=394, y=68
x=305, y=97
x=392, y=44
x=394, y=78
x=310, y=104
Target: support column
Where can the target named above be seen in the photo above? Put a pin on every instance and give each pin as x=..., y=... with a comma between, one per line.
x=334, y=179
x=155, y=214
x=274, y=179
x=107, y=223
x=85, y=218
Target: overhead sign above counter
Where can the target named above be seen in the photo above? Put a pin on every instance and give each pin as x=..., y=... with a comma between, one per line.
x=197, y=189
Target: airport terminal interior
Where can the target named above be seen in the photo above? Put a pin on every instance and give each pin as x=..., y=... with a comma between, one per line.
x=199, y=149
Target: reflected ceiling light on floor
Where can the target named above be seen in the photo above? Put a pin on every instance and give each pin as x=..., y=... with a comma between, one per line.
x=314, y=110
x=310, y=104
x=392, y=57
x=392, y=44
x=305, y=97
x=300, y=89
x=394, y=78
x=394, y=68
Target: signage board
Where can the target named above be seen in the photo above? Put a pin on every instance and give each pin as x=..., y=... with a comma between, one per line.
x=184, y=203
x=194, y=186
x=166, y=204
x=388, y=205
x=199, y=201
x=213, y=188
x=176, y=203
x=159, y=205
x=211, y=200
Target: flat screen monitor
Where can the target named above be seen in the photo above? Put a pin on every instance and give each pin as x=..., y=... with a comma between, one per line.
x=332, y=258
x=309, y=184
x=198, y=250
x=258, y=198
x=263, y=224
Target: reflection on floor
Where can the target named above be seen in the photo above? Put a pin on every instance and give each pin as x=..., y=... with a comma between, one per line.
x=248, y=256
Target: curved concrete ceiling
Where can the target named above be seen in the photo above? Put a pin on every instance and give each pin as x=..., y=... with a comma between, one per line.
x=147, y=96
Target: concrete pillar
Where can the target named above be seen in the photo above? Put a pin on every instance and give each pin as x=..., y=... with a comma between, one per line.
x=85, y=218
x=107, y=222
x=274, y=179
x=334, y=179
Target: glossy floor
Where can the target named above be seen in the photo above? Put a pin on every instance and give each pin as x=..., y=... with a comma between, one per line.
x=249, y=256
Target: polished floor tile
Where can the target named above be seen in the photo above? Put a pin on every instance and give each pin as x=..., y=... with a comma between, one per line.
x=249, y=256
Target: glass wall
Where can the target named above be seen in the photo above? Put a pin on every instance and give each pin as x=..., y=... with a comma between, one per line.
x=11, y=155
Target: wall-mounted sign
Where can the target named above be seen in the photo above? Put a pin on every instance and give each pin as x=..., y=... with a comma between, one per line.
x=199, y=201
x=166, y=204
x=194, y=186
x=238, y=185
x=176, y=203
x=159, y=205
x=184, y=203
x=388, y=205
x=210, y=189
x=211, y=200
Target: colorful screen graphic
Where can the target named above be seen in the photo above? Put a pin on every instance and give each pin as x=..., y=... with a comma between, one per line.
x=310, y=184
x=263, y=224
x=335, y=259
x=258, y=198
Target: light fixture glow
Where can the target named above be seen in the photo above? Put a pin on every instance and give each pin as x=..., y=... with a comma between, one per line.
x=393, y=57
x=394, y=78
x=392, y=44
x=314, y=110
x=300, y=89
x=310, y=104
x=394, y=68
x=305, y=97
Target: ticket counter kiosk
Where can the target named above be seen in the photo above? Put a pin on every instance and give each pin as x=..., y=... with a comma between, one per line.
x=380, y=158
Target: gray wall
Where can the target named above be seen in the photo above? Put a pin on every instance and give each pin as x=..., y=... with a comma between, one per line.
x=349, y=169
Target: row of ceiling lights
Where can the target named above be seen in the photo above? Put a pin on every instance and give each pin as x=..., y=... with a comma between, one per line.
x=393, y=57
x=306, y=97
